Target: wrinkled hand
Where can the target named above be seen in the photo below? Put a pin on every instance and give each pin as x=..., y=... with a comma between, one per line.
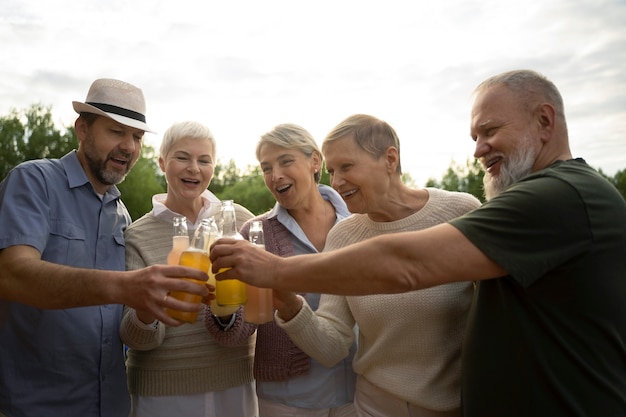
x=147, y=291
x=244, y=261
x=287, y=303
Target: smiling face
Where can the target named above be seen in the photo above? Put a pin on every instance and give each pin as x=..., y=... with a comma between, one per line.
x=107, y=150
x=361, y=179
x=289, y=174
x=188, y=168
x=507, y=144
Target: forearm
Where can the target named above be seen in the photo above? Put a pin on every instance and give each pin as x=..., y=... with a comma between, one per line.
x=358, y=269
x=391, y=263
x=317, y=335
x=47, y=285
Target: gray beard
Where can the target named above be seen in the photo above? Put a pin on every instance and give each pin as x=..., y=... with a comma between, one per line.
x=99, y=169
x=518, y=166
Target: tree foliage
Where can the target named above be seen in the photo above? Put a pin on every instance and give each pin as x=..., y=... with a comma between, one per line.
x=142, y=182
x=31, y=134
x=467, y=178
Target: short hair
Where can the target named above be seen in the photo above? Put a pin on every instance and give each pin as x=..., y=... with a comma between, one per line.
x=372, y=135
x=291, y=136
x=186, y=129
x=530, y=86
x=89, y=118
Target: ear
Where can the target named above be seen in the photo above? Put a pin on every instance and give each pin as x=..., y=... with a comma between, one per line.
x=81, y=129
x=546, y=118
x=316, y=161
x=162, y=164
x=392, y=158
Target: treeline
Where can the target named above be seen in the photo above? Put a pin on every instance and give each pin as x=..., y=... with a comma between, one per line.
x=31, y=134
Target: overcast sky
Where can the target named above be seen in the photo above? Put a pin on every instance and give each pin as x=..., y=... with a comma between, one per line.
x=241, y=67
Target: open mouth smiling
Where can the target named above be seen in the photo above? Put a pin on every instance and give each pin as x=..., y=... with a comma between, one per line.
x=489, y=163
x=349, y=193
x=190, y=181
x=283, y=188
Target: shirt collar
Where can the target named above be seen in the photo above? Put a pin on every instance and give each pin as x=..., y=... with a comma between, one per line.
x=76, y=175
x=210, y=207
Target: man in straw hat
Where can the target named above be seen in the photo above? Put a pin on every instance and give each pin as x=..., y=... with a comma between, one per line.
x=63, y=283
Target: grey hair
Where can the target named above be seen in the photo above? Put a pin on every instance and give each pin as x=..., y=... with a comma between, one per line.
x=291, y=136
x=372, y=135
x=186, y=129
x=530, y=86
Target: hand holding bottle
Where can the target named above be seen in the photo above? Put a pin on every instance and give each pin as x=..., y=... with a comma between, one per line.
x=197, y=257
x=259, y=308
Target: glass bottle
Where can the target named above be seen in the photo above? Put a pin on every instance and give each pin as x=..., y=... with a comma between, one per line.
x=260, y=306
x=180, y=240
x=217, y=309
x=195, y=256
x=230, y=292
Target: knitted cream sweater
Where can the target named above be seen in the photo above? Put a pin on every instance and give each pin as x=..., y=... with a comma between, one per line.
x=185, y=359
x=409, y=344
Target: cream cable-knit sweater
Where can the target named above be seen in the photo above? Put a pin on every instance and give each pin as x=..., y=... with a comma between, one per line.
x=409, y=344
x=185, y=359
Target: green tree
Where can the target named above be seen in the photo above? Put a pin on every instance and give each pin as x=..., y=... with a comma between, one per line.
x=251, y=192
x=31, y=134
x=466, y=178
x=142, y=182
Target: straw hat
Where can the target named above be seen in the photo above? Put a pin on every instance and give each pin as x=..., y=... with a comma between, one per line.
x=118, y=100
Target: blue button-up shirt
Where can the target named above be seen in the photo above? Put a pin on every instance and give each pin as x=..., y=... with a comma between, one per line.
x=62, y=362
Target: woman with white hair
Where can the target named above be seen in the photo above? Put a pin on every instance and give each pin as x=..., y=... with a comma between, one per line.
x=185, y=370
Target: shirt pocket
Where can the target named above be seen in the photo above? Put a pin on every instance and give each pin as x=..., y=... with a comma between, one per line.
x=67, y=244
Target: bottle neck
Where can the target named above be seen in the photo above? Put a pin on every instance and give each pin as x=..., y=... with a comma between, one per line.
x=229, y=227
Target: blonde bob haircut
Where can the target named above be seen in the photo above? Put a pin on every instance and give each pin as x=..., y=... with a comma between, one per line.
x=291, y=136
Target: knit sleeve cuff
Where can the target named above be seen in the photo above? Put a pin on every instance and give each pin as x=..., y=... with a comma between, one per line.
x=300, y=320
x=139, y=336
x=236, y=334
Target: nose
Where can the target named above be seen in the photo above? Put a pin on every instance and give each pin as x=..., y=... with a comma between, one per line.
x=193, y=165
x=336, y=180
x=482, y=148
x=277, y=174
x=128, y=144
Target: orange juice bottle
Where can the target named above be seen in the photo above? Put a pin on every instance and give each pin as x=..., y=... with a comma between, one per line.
x=195, y=256
x=217, y=309
x=180, y=240
x=230, y=292
x=260, y=306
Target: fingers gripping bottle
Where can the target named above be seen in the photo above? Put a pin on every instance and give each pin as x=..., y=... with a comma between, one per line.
x=230, y=292
x=195, y=256
x=217, y=309
x=260, y=307
x=180, y=240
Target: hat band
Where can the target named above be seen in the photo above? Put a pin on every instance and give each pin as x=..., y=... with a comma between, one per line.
x=109, y=108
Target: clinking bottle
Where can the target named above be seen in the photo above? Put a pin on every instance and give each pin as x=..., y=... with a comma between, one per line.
x=217, y=309
x=180, y=239
x=259, y=309
x=196, y=256
x=230, y=292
